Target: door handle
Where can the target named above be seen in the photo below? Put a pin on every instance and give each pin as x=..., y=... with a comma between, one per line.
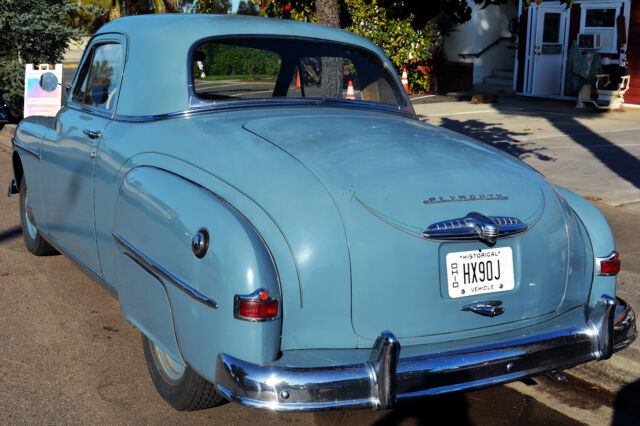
x=91, y=133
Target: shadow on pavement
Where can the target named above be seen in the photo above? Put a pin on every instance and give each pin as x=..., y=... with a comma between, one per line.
x=563, y=116
x=446, y=409
x=10, y=234
x=627, y=407
x=619, y=161
x=497, y=136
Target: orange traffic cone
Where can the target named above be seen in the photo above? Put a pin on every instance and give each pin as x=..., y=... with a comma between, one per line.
x=350, y=93
x=298, y=85
x=405, y=80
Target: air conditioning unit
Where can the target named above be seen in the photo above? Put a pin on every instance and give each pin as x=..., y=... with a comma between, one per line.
x=589, y=41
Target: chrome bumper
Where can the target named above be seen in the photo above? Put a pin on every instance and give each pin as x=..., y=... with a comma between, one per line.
x=386, y=378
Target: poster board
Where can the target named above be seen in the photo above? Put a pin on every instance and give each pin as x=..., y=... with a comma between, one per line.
x=36, y=100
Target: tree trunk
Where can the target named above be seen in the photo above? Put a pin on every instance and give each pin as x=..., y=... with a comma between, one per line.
x=331, y=79
x=328, y=13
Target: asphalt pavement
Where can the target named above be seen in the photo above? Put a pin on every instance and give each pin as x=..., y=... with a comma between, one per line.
x=67, y=356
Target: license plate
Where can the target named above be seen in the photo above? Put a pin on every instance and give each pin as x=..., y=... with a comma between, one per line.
x=470, y=273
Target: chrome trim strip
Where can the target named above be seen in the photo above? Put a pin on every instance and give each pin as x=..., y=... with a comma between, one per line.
x=190, y=291
x=613, y=255
x=78, y=263
x=387, y=377
x=247, y=105
x=24, y=148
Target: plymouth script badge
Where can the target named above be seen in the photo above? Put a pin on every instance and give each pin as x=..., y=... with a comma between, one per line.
x=471, y=273
x=469, y=197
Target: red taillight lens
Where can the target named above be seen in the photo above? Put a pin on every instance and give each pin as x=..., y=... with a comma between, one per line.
x=610, y=266
x=261, y=309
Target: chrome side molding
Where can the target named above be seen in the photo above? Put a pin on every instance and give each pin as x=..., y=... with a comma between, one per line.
x=25, y=148
x=160, y=271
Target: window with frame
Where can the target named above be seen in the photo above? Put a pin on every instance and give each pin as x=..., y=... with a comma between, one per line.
x=242, y=68
x=99, y=77
x=600, y=18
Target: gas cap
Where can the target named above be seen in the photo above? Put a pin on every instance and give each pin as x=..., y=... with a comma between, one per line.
x=200, y=243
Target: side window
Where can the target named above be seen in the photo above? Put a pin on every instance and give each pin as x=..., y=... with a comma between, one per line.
x=99, y=77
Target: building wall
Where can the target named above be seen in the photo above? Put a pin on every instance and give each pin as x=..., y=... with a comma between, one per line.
x=485, y=26
x=633, y=56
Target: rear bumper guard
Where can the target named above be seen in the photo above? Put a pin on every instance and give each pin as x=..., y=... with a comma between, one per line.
x=387, y=378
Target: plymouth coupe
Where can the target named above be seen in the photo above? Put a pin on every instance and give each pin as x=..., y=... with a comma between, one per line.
x=284, y=231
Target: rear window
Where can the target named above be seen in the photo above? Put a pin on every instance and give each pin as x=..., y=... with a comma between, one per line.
x=232, y=69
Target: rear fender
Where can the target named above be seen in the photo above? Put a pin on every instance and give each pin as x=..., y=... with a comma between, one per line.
x=156, y=215
x=601, y=241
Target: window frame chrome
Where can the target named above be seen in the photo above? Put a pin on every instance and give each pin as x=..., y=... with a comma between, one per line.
x=96, y=40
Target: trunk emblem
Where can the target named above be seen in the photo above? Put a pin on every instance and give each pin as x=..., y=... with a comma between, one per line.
x=491, y=308
x=475, y=226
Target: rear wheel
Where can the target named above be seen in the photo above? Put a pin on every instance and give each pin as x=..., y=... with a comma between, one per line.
x=177, y=383
x=32, y=238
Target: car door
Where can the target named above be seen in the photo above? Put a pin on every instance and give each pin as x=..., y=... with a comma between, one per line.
x=69, y=150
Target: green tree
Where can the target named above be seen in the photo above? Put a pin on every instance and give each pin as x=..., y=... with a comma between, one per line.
x=248, y=7
x=35, y=31
x=118, y=8
x=214, y=6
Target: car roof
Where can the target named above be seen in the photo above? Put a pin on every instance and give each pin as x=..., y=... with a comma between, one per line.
x=156, y=74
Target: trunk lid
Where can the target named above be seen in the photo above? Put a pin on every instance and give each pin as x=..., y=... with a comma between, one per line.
x=392, y=177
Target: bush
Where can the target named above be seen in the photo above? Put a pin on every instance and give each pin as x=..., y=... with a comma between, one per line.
x=35, y=31
x=406, y=46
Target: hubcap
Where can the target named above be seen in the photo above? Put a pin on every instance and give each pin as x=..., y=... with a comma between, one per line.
x=31, y=226
x=171, y=369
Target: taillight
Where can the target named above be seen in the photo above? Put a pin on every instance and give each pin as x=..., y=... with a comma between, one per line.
x=257, y=306
x=609, y=265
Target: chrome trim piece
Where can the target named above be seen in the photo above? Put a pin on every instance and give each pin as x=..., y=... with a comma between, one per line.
x=79, y=264
x=490, y=308
x=240, y=106
x=200, y=243
x=24, y=148
x=611, y=256
x=387, y=377
x=383, y=361
x=159, y=270
x=252, y=297
x=475, y=226
x=604, y=341
x=92, y=134
x=13, y=188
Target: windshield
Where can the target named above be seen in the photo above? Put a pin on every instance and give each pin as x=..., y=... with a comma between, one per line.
x=268, y=67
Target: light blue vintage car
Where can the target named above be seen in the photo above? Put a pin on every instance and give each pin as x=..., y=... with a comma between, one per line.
x=264, y=203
